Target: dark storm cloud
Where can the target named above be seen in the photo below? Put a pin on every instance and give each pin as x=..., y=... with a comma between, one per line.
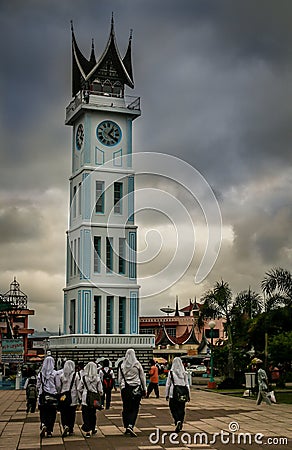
x=19, y=223
x=215, y=84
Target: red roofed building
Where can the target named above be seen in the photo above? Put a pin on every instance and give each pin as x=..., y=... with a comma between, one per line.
x=178, y=331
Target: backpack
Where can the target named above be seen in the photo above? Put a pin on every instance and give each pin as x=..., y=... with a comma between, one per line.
x=107, y=380
x=31, y=390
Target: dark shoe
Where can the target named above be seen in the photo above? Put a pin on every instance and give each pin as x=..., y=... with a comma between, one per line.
x=65, y=431
x=87, y=435
x=43, y=431
x=178, y=427
x=130, y=431
x=94, y=432
x=49, y=434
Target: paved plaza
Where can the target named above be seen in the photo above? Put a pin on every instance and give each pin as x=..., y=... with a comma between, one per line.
x=213, y=421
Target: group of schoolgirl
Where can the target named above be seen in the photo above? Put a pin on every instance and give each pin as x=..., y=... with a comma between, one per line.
x=52, y=384
x=64, y=390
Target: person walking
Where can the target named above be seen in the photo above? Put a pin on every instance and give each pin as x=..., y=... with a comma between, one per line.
x=48, y=390
x=31, y=391
x=107, y=378
x=68, y=397
x=89, y=382
x=154, y=379
x=132, y=383
x=262, y=384
x=177, y=376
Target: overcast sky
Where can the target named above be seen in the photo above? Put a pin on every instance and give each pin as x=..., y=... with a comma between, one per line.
x=215, y=82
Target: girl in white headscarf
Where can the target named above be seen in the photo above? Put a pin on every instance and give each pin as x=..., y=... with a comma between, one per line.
x=47, y=383
x=131, y=375
x=176, y=376
x=90, y=381
x=69, y=383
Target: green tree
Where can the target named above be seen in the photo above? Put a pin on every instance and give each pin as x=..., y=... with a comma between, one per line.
x=277, y=285
x=280, y=347
x=217, y=303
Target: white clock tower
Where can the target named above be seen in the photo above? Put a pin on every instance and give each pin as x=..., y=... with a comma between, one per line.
x=101, y=294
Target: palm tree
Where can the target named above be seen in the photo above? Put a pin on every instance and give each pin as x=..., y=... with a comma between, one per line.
x=278, y=284
x=248, y=303
x=218, y=303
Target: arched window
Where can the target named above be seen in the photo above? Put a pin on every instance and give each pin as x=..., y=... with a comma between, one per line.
x=118, y=89
x=107, y=87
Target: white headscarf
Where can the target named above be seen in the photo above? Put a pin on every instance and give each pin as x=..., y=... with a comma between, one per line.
x=68, y=369
x=48, y=367
x=178, y=367
x=90, y=370
x=130, y=360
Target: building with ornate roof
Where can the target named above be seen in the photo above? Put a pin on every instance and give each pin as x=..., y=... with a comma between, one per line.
x=178, y=332
x=14, y=316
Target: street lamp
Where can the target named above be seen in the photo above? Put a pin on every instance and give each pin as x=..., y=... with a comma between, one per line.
x=211, y=382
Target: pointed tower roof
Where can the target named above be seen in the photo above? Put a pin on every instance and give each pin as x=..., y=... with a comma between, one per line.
x=127, y=60
x=110, y=65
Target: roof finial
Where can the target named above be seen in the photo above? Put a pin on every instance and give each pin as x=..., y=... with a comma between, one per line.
x=71, y=22
x=131, y=34
x=112, y=24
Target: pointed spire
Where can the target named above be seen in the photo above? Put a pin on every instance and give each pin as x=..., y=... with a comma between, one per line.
x=176, y=307
x=127, y=61
x=112, y=25
x=92, y=55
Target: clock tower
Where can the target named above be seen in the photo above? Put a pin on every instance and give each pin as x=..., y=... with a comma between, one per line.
x=101, y=294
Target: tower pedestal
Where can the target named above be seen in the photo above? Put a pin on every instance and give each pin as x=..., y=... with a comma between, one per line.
x=95, y=347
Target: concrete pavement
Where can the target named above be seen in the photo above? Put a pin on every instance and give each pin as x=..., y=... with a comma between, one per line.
x=213, y=421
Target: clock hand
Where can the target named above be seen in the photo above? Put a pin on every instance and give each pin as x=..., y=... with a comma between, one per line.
x=114, y=138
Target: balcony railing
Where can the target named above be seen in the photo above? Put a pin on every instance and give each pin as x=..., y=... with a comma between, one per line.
x=103, y=99
x=70, y=341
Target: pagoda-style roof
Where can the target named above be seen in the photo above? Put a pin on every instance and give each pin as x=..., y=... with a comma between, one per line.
x=192, y=307
x=110, y=68
x=203, y=344
x=192, y=339
x=188, y=337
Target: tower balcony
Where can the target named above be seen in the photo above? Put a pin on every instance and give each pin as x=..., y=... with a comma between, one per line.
x=92, y=100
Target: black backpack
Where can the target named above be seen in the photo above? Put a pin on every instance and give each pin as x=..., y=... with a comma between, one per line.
x=31, y=390
x=107, y=380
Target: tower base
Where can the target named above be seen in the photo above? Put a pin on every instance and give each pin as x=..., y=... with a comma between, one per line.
x=95, y=347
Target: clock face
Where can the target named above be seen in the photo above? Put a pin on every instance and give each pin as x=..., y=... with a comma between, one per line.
x=79, y=136
x=108, y=133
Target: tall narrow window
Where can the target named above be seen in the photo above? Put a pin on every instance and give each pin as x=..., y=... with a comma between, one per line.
x=122, y=315
x=74, y=200
x=118, y=195
x=97, y=253
x=99, y=206
x=72, y=316
x=71, y=258
x=122, y=251
x=79, y=256
x=109, y=254
x=109, y=314
x=79, y=199
x=74, y=256
x=97, y=309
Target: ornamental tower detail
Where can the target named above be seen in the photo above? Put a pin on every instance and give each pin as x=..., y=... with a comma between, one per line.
x=101, y=294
